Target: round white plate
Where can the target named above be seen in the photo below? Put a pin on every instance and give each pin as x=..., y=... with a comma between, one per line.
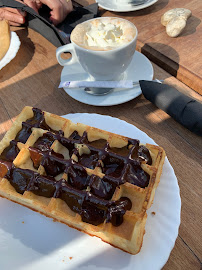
x=31, y=241
x=113, y=6
x=140, y=68
x=12, y=51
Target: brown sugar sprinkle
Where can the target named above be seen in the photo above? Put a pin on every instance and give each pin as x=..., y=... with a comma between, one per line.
x=153, y=213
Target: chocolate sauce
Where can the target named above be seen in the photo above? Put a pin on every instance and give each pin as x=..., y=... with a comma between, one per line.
x=77, y=176
x=89, y=161
x=24, y=133
x=144, y=154
x=44, y=142
x=53, y=162
x=101, y=187
x=117, y=211
x=92, y=214
x=10, y=152
x=7, y=157
x=37, y=121
x=5, y=167
x=93, y=210
x=136, y=176
x=20, y=178
x=74, y=198
x=95, y=206
x=43, y=186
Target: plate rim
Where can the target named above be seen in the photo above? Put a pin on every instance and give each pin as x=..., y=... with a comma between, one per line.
x=129, y=6
x=12, y=50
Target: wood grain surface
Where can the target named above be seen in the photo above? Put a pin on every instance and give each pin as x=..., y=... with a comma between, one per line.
x=32, y=78
x=180, y=56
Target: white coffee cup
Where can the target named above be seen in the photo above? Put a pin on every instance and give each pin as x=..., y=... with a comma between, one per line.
x=102, y=63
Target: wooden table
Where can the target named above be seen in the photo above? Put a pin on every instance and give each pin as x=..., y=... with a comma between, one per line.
x=180, y=56
x=32, y=78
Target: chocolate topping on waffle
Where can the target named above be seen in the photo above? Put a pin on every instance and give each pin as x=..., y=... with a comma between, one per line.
x=10, y=152
x=93, y=180
x=88, y=195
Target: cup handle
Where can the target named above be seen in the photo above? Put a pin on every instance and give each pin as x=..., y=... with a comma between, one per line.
x=69, y=49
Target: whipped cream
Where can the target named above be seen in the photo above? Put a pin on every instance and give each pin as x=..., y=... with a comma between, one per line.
x=103, y=34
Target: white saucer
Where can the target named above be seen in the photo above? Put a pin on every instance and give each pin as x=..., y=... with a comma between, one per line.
x=12, y=51
x=113, y=6
x=140, y=68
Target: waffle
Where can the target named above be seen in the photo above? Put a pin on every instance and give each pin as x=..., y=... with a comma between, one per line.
x=90, y=179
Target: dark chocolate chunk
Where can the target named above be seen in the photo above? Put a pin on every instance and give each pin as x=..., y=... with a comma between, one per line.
x=113, y=166
x=53, y=163
x=77, y=177
x=101, y=187
x=20, y=178
x=43, y=186
x=24, y=133
x=136, y=176
x=117, y=211
x=92, y=214
x=73, y=198
x=144, y=154
x=89, y=160
x=44, y=142
x=10, y=152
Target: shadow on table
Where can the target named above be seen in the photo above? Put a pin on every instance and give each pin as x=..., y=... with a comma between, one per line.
x=191, y=26
x=156, y=52
x=19, y=62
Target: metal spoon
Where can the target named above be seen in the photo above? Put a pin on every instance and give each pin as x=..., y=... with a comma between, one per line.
x=99, y=91
x=137, y=2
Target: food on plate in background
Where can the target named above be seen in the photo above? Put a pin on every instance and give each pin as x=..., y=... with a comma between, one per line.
x=5, y=38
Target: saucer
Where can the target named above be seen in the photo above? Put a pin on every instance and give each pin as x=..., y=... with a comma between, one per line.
x=113, y=6
x=140, y=68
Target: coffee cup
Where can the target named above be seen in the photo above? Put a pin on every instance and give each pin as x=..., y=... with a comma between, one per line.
x=104, y=47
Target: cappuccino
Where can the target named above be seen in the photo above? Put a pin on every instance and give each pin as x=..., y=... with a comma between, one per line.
x=103, y=34
x=104, y=47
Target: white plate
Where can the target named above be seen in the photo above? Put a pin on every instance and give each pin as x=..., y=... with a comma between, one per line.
x=113, y=6
x=12, y=51
x=30, y=241
x=140, y=68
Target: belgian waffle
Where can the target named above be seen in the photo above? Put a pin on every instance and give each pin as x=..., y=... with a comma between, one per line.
x=90, y=179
